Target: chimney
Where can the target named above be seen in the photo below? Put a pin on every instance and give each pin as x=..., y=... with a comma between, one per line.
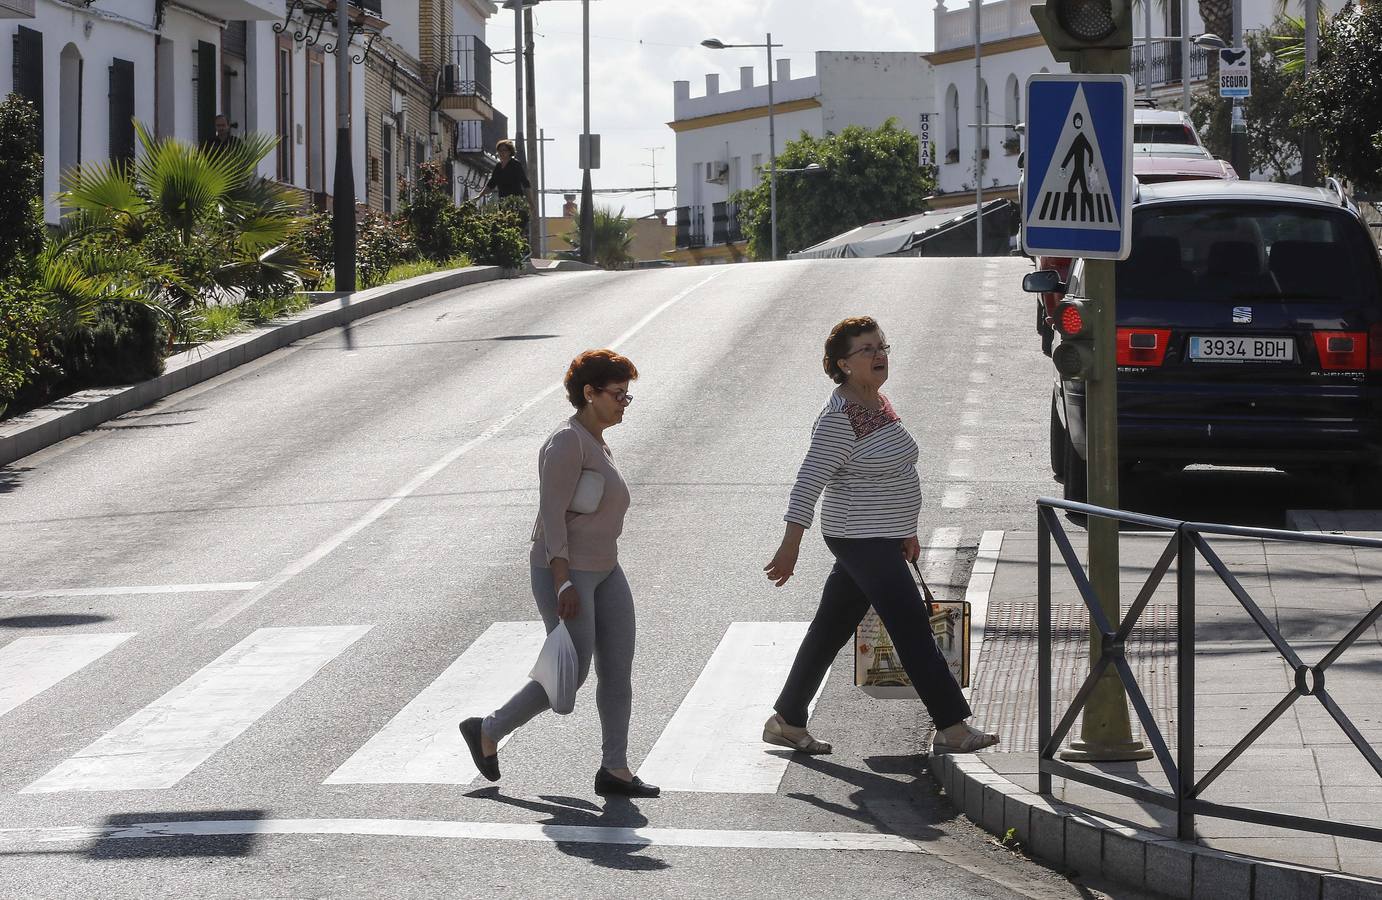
x=681, y=90
x=712, y=84
x=745, y=77
x=784, y=70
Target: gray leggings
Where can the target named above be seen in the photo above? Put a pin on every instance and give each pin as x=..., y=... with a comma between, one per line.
x=604, y=629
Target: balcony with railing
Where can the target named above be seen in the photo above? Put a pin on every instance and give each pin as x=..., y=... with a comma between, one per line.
x=725, y=227
x=478, y=137
x=690, y=226
x=458, y=67
x=1166, y=64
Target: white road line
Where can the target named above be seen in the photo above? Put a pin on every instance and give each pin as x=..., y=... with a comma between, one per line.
x=473, y=831
x=974, y=400
x=940, y=559
x=956, y=496
x=714, y=743
x=117, y=591
x=970, y=418
x=964, y=443
x=421, y=745
x=984, y=340
x=981, y=359
x=322, y=550
x=961, y=468
x=979, y=377
x=980, y=585
x=164, y=741
x=990, y=322
x=31, y=665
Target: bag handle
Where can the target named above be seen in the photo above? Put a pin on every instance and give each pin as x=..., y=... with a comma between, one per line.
x=925, y=591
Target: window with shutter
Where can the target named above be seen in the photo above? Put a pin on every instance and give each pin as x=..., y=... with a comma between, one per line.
x=206, y=91
x=121, y=111
x=28, y=68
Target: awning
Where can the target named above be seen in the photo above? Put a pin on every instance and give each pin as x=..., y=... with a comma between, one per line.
x=939, y=232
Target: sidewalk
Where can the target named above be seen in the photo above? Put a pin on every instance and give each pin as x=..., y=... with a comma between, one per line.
x=1303, y=765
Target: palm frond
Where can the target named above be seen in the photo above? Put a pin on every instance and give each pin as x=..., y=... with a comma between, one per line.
x=104, y=191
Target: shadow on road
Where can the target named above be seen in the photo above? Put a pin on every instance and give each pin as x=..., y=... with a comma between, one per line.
x=618, y=812
x=888, y=796
x=54, y=620
x=176, y=845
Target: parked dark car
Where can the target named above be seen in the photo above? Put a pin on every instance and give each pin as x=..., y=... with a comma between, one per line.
x=1249, y=333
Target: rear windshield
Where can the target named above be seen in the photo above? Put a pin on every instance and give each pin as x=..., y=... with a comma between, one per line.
x=1242, y=251
x=1162, y=134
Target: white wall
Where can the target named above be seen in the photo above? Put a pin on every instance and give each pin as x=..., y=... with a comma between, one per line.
x=469, y=16
x=1000, y=169
x=869, y=88
x=722, y=143
x=185, y=30
x=127, y=36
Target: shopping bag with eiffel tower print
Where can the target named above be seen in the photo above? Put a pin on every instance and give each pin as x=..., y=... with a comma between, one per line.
x=877, y=670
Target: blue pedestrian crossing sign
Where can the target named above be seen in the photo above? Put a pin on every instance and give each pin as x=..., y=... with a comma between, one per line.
x=1077, y=183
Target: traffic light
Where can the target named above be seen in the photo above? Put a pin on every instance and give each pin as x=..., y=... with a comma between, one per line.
x=1074, y=355
x=1073, y=27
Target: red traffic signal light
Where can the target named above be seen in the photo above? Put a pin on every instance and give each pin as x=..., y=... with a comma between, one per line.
x=1074, y=355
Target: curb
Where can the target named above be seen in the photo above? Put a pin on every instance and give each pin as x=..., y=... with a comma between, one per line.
x=1069, y=837
x=73, y=414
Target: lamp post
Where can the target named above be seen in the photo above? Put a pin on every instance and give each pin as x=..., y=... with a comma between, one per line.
x=343, y=191
x=716, y=44
x=587, y=194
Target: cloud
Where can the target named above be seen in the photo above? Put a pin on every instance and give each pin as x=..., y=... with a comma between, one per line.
x=639, y=48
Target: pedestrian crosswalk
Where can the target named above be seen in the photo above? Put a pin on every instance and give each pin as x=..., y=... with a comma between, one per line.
x=711, y=744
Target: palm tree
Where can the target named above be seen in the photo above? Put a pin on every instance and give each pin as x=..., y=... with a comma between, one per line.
x=613, y=235
x=220, y=228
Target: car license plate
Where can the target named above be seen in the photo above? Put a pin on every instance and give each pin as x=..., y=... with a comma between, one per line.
x=1242, y=349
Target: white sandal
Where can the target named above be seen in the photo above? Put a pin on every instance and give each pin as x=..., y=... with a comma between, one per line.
x=778, y=732
x=973, y=740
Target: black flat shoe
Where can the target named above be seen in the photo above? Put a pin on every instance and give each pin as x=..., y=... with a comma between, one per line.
x=606, y=785
x=488, y=765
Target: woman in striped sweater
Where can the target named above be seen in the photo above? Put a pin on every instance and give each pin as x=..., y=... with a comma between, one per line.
x=864, y=462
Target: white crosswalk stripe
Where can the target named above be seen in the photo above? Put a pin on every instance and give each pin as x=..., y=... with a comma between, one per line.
x=421, y=745
x=159, y=745
x=31, y=665
x=714, y=743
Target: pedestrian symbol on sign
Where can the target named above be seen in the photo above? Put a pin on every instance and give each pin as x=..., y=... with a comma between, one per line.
x=1075, y=191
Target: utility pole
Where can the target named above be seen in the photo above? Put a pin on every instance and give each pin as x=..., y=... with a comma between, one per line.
x=1184, y=56
x=1147, y=49
x=1238, y=135
x=1094, y=45
x=518, y=145
x=343, y=191
x=1310, y=148
x=535, y=225
x=981, y=134
x=587, y=196
x=542, y=140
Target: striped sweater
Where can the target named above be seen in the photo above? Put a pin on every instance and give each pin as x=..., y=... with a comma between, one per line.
x=865, y=463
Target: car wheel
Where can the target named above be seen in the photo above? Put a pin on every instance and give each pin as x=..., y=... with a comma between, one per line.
x=1058, y=442
x=1076, y=474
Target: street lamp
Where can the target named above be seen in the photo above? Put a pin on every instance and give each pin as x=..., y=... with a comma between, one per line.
x=717, y=44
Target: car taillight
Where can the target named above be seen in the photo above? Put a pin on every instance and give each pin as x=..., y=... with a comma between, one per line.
x=1342, y=350
x=1142, y=346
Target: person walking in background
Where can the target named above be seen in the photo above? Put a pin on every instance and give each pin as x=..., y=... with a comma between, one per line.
x=221, y=138
x=575, y=571
x=864, y=461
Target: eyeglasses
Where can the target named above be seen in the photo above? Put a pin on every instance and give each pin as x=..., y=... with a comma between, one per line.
x=623, y=397
x=884, y=349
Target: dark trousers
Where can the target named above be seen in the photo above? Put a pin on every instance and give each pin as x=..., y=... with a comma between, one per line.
x=872, y=572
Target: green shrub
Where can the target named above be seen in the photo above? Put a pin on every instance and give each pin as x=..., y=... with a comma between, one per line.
x=21, y=184
x=383, y=243
x=494, y=235
x=123, y=345
x=431, y=215
x=24, y=323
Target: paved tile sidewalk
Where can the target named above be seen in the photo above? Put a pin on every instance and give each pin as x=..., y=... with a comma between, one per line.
x=1304, y=764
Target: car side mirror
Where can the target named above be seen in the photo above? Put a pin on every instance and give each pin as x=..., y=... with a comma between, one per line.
x=1047, y=281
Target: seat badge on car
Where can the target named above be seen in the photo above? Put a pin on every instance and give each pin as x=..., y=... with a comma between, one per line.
x=1242, y=315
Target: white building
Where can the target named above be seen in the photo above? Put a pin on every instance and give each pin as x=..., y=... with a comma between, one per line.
x=722, y=136
x=91, y=66
x=1012, y=49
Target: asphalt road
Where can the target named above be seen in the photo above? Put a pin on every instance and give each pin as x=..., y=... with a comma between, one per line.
x=374, y=489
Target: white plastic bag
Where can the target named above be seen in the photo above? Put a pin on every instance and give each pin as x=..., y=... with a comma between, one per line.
x=557, y=669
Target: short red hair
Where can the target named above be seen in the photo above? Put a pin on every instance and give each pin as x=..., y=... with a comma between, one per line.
x=596, y=368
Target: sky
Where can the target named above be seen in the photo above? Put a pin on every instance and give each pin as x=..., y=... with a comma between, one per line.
x=639, y=47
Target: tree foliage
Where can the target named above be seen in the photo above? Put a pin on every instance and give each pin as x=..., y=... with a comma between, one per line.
x=869, y=174
x=613, y=235
x=1274, y=140
x=1341, y=98
x=21, y=184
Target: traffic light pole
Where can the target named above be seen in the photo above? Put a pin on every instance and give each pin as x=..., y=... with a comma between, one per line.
x=1105, y=730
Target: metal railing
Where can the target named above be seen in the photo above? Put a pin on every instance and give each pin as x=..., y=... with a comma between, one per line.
x=1187, y=544
x=460, y=66
x=1166, y=63
x=481, y=136
x=691, y=226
